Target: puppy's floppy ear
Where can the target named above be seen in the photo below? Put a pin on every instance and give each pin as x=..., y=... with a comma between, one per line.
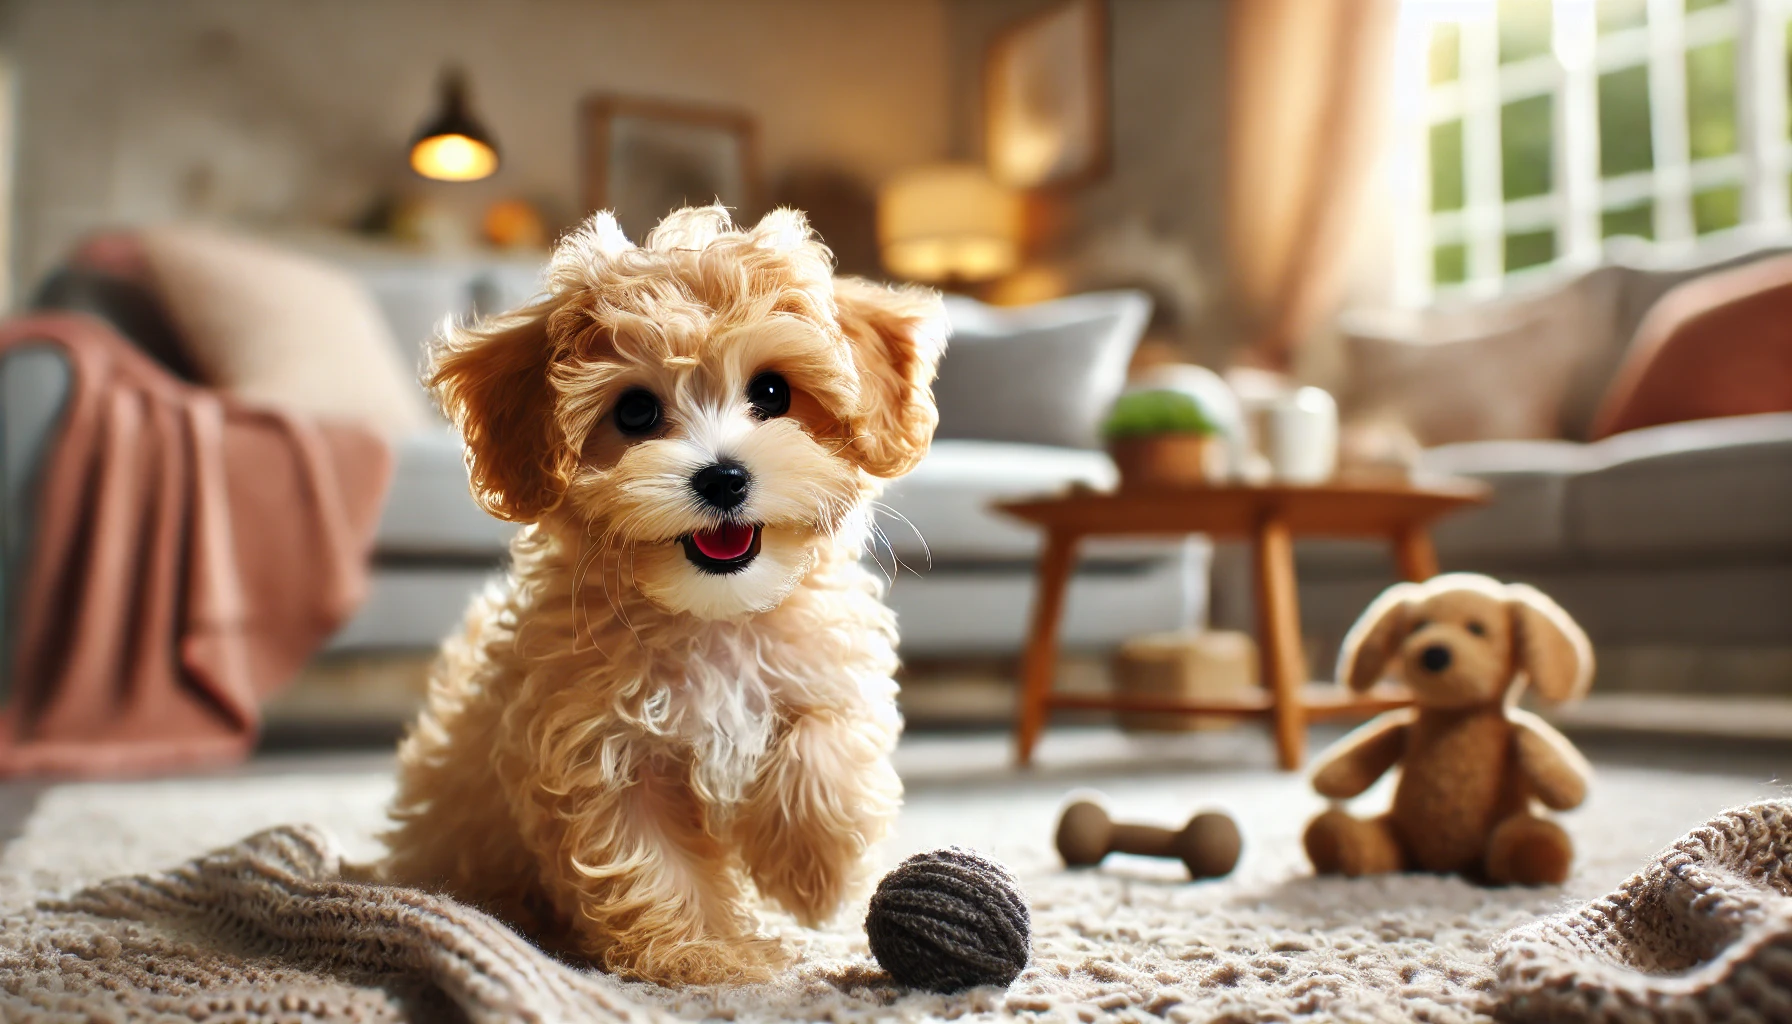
x=897, y=336
x=492, y=381
x=1374, y=637
x=1548, y=645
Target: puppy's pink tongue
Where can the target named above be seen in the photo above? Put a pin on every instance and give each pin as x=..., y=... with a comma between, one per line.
x=724, y=542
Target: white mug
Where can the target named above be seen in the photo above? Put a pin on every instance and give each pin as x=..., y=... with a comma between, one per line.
x=1301, y=436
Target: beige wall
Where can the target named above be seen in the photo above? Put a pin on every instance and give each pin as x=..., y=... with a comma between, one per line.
x=1169, y=129
x=297, y=111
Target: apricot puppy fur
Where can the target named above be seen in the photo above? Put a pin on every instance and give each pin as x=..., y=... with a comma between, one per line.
x=1474, y=768
x=682, y=692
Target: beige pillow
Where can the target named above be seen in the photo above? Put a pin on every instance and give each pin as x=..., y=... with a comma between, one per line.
x=1504, y=384
x=283, y=329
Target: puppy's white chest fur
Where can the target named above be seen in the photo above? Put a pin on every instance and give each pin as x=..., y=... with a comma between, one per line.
x=718, y=703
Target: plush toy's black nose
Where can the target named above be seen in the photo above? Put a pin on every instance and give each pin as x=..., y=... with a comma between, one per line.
x=722, y=486
x=1435, y=658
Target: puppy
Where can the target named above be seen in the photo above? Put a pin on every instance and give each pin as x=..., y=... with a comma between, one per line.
x=683, y=690
x=1473, y=765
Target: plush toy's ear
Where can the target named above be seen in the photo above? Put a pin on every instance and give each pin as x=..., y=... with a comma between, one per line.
x=1548, y=645
x=1371, y=642
x=897, y=336
x=492, y=381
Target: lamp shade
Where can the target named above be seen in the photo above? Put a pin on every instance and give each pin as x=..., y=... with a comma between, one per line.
x=948, y=222
x=452, y=146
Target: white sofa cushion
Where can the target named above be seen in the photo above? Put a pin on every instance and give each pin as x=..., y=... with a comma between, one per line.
x=429, y=509
x=947, y=501
x=1043, y=374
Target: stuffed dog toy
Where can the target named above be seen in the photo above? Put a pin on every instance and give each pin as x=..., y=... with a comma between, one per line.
x=1473, y=766
x=683, y=691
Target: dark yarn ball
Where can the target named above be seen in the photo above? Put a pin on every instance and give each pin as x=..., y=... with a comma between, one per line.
x=949, y=920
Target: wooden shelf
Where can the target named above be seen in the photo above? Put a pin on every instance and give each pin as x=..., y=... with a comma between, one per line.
x=1318, y=700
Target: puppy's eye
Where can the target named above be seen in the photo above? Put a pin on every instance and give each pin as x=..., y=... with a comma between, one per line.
x=1475, y=627
x=637, y=412
x=769, y=394
x=1419, y=624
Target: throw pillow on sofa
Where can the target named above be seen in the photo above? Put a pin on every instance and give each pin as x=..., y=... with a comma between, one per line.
x=280, y=328
x=1507, y=383
x=1041, y=374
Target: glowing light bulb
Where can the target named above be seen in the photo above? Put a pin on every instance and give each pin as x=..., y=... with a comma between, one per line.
x=453, y=158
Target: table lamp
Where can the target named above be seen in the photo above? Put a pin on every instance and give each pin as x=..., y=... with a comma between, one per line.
x=948, y=223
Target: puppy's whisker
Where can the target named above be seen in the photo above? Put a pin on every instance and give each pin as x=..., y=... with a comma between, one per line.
x=878, y=535
x=878, y=506
x=633, y=585
x=588, y=554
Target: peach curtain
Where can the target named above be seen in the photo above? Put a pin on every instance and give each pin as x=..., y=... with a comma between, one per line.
x=1308, y=85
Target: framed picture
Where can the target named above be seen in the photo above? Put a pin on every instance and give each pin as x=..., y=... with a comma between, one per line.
x=1045, y=95
x=645, y=158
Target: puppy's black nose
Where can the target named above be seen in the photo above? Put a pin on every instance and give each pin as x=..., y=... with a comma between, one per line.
x=1435, y=658
x=722, y=486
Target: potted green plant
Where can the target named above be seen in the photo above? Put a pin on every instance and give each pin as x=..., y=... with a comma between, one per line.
x=1163, y=433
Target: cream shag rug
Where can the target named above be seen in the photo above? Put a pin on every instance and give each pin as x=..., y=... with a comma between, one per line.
x=1128, y=942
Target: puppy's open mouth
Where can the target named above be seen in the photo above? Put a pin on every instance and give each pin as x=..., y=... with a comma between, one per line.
x=724, y=549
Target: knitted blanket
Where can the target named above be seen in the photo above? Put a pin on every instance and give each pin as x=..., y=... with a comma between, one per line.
x=267, y=929
x=1703, y=933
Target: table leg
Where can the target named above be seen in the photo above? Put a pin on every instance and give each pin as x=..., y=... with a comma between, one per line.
x=1039, y=664
x=1278, y=630
x=1415, y=555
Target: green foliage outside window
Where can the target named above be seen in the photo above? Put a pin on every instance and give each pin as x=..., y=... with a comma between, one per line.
x=1626, y=142
x=1717, y=209
x=1711, y=99
x=1632, y=220
x=1446, y=166
x=1524, y=29
x=1525, y=143
x=1616, y=15
x=1529, y=249
x=1449, y=264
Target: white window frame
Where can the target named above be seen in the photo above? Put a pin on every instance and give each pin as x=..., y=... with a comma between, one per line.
x=1570, y=73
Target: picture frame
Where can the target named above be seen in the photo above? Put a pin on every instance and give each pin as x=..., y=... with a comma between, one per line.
x=644, y=158
x=1047, y=95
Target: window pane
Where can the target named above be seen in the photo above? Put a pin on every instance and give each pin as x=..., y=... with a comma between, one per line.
x=1530, y=249
x=1711, y=98
x=1446, y=166
x=1699, y=5
x=1717, y=209
x=1446, y=52
x=1634, y=220
x=1625, y=142
x=1524, y=29
x=1524, y=147
x=1621, y=14
x=1449, y=264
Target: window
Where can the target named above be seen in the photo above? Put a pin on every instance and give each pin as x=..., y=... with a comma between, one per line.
x=1531, y=130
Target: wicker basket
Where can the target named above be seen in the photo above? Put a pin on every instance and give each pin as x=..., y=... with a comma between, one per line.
x=1183, y=666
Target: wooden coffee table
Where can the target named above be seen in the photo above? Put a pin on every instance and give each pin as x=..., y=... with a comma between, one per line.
x=1271, y=517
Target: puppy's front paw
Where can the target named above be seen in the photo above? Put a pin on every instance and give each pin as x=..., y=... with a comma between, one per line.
x=739, y=961
x=811, y=887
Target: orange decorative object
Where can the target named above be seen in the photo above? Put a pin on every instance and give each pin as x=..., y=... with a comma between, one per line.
x=514, y=224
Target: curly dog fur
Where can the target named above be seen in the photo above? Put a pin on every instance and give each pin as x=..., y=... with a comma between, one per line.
x=621, y=748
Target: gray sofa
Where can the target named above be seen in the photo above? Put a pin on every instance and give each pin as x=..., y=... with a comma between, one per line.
x=1672, y=544
x=961, y=574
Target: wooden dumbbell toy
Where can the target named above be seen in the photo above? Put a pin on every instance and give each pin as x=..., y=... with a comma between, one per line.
x=1208, y=844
